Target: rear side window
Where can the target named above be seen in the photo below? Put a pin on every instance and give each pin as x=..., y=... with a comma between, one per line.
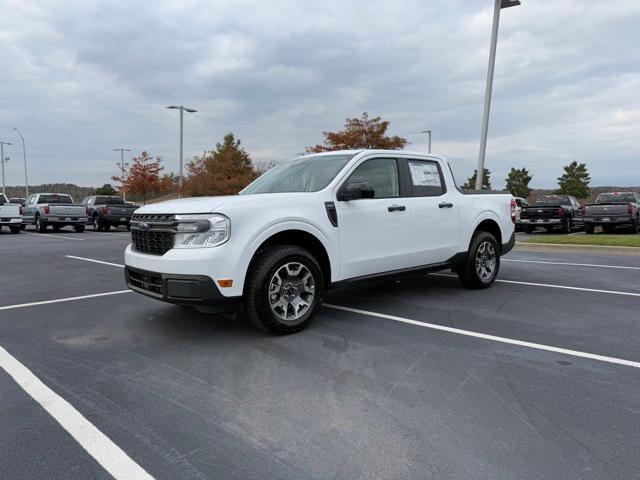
x=426, y=178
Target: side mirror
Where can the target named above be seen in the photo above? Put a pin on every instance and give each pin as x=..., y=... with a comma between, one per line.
x=355, y=191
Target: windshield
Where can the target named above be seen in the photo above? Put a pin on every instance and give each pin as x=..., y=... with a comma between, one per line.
x=55, y=198
x=616, y=198
x=304, y=174
x=553, y=200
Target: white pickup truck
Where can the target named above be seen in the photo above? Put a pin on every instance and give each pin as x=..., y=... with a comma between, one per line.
x=314, y=223
x=10, y=215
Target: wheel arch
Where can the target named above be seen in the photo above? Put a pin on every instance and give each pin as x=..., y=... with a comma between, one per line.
x=298, y=233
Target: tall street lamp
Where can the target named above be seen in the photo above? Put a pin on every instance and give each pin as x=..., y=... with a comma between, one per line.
x=122, y=166
x=499, y=4
x=428, y=144
x=182, y=109
x=24, y=157
x=3, y=161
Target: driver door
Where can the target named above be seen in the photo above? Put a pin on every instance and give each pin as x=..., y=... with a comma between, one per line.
x=374, y=233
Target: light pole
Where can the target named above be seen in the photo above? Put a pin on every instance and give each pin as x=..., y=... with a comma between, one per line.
x=24, y=157
x=499, y=4
x=429, y=144
x=3, y=161
x=182, y=109
x=122, y=166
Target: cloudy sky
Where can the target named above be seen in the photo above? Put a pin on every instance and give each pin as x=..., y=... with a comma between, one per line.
x=82, y=77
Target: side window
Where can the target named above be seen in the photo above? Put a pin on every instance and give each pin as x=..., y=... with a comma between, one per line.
x=32, y=199
x=518, y=202
x=381, y=174
x=426, y=178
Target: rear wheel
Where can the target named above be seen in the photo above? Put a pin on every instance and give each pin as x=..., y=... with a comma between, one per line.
x=568, y=225
x=529, y=228
x=607, y=229
x=15, y=228
x=79, y=228
x=106, y=226
x=482, y=264
x=635, y=226
x=97, y=224
x=589, y=228
x=549, y=229
x=41, y=226
x=56, y=228
x=283, y=290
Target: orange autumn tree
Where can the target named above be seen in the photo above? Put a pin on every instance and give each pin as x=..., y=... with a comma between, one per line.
x=223, y=171
x=143, y=177
x=363, y=132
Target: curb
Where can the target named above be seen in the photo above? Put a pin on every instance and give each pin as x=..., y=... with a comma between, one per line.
x=562, y=248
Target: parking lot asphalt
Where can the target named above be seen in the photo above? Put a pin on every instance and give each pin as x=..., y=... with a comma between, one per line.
x=359, y=394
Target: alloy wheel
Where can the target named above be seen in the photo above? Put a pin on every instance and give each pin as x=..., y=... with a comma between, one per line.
x=486, y=261
x=291, y=291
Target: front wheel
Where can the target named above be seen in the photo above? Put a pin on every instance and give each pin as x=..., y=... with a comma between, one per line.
x=283, y=289
x=482, y=264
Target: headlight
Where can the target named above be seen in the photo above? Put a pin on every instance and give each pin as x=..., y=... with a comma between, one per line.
x=199, y=231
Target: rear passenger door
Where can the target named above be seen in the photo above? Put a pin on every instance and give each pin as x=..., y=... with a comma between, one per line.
x=28, y=211
x=435, y=214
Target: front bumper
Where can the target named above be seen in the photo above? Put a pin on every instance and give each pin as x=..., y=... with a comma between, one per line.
x=189, y=290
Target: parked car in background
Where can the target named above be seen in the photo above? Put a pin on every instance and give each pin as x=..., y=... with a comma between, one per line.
x=562, y=212
x=55, y=209
x=105, y=211
x=615, y=209
x=19, y=201
x=316, y=222
x=520, y=202
x=10, y=215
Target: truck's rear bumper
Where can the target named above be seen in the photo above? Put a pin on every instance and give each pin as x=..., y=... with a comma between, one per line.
x=604, y=220
x=189, y=290
x=542, y=221
x=117, y=219
x=65, y=220
x=10, y=221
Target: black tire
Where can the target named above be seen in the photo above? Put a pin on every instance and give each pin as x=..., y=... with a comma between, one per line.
x=635, y=226
x=128, y=227
x=97, y=224
x=106, y=226
x=56, y=228
x=15, y=228
x=256, y=292
x=23, y=226
x=529, y=228
x=567, y=225
x=41, y=226
x=607, y=229
x=589, y=228
x=549, y=229
x=468, y=273
x=79, y=228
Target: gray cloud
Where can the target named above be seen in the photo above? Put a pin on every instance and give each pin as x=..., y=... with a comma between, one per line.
x=82, y=77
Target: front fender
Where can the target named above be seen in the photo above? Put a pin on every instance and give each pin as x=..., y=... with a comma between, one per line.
x=279, y=226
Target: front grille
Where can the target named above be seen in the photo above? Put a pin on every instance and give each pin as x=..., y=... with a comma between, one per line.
x=146, y=281
x=157, y=237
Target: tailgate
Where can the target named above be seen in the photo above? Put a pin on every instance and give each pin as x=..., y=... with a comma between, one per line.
x=121, y=210
x=9, y=210
x=607, y=209
x=67, y=210
x=542, y=212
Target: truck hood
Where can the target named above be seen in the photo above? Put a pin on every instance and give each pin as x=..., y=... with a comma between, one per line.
x=223, y=204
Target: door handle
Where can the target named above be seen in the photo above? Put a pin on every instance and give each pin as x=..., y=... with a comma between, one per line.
x=397, y=208
x=445, y=205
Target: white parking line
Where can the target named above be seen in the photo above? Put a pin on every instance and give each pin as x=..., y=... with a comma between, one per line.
x=570, y=264
x=111, y=234
x=550, y=285
x=484, y=336
x=61, y=300
x=52, y=236
x=112, y=458
x=95, y=261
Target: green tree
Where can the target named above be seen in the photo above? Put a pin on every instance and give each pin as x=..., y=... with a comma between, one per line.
x=106, y=189
x=486, y=180
x=575, y=180
x=363, y=132
x=223, y=171
x=518, y=182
